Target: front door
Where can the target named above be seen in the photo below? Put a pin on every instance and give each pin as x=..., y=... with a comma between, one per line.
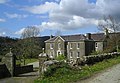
x=59, y=52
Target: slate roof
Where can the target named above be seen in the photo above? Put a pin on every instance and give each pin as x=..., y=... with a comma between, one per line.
x=51, y=39
x=102, y=36
x=98, y=36
x=95, y=37
x=69, y=38
x=74, y=37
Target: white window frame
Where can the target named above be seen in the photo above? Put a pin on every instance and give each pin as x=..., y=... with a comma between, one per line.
x=96, y=45
x=51, y=45
x=51, y=54
x=59, y=45
x=78, y=54
x=71, y=54
x=71, y=45
x=78, y=45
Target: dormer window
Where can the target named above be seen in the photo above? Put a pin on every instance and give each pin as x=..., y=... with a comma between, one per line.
x=51, y=46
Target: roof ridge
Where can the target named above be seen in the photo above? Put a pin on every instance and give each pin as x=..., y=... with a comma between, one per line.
x=73, y=35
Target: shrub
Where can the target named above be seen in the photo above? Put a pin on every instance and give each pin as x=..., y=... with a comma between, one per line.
x=95, y=52
x=59, y=68
x=60, y=57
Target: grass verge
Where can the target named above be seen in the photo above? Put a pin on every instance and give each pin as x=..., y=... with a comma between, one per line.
x=65, y=75
x=26, y=61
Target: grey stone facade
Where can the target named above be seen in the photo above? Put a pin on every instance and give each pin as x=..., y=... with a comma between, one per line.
x=55, y=48
x=75, y=46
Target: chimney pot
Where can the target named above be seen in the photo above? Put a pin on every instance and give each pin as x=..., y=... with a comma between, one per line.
x=88, y=35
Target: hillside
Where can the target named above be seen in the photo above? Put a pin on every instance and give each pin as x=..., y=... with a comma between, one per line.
x=5, y=44
x=17, y=44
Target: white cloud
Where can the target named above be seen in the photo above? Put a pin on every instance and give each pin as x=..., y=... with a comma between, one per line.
x=44, y=8
x=15, y=15
x=20, y=31
x=2, y=33
x=74, y=14
x=3, y=1
x=75, y=23
x=2, y=20
x=42, y=17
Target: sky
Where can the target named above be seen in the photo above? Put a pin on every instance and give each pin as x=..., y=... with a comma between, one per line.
x=50, y=16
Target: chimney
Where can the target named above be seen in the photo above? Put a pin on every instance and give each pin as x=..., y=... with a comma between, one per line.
x=51, y=36
x=88, y=35
x=106, y=31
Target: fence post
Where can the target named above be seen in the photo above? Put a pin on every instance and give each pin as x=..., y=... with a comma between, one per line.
x=42, y=58
x=9, y=61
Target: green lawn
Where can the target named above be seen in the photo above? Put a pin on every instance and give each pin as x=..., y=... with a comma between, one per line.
x=26, y=61
x=65, y=75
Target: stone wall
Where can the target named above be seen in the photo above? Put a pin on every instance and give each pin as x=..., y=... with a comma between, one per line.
x=23, y=69
x=9, y=61
x=9, y=68
x=92, y=59
x=4, y=72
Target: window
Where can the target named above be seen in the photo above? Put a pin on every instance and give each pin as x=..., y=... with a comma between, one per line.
x=59, y=45
x=71, y=54
x=96, y=45
x=78, y=45
x=51, y=54
x=51, y=46
x=78, y=54
x=70, y=45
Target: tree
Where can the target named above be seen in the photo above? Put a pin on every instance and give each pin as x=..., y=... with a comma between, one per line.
x=111, y=28
x=109, y=23
x=30, y=45
x=58, y=33
x=30, y=31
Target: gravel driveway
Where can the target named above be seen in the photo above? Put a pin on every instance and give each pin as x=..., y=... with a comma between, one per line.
x=35, y=64
x=23, y=78
x=111, y=75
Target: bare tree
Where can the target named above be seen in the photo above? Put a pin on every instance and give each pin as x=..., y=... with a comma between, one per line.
x=29, y=43
x=109, y=23
x=58, y=33
x=111, y=28
x=30, y=31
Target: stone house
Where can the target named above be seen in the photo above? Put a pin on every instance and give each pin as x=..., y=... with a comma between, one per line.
x=74, y=46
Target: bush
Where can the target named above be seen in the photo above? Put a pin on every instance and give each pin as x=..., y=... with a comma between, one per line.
x=60, y=57
x=59, y=68
x=95, y=52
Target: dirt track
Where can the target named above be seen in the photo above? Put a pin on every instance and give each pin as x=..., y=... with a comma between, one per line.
x=111, y=75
